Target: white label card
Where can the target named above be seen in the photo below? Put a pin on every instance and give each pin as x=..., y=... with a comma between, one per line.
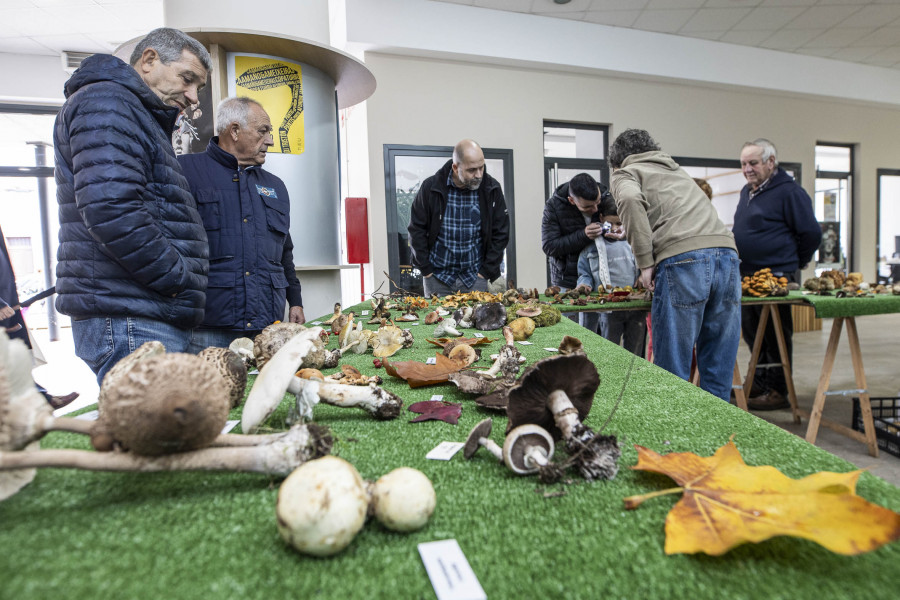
x=552, y=349
x=525, y=343
x=430, y=360
x=413, y=324
x=364, y=313
x=445, y=450
x=437, y=397
x=478, y=335
x=449, y=571
x=229, y=425
x=316, y=323
x=253, y=372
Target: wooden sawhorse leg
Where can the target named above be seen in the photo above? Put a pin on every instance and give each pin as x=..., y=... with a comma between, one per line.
x=815, y=416
x=772, y=309
x=737, y=385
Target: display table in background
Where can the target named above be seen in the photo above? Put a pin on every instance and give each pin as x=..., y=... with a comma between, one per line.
x=75, y=535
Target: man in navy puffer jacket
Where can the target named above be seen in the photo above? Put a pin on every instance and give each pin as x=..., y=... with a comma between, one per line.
x=246, y=212
x=133, y=254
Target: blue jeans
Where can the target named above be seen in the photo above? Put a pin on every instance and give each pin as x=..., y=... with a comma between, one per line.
x=201, y=339
x=697, y=300
x=102, y=341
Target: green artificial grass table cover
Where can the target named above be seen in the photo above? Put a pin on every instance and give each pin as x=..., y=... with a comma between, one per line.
x=826, y=307
x=77, y=534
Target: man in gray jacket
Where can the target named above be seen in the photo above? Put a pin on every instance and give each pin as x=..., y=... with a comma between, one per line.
x=686, y=256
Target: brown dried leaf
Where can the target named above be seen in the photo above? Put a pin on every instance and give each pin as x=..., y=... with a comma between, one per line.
x=419, y=374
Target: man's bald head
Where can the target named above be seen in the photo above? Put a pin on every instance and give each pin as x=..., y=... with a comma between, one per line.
x=468, y=165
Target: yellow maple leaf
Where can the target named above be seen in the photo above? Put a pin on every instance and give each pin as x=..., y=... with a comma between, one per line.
x=727, y=503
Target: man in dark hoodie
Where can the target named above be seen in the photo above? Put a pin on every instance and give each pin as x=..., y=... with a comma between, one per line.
x=571, y=223
x=133, y=254
x=459, y=225
x=774, y=227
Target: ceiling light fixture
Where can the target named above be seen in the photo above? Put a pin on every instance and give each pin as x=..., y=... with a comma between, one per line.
x=562, y=1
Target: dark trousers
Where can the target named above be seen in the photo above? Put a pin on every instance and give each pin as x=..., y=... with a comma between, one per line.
x=769, y=378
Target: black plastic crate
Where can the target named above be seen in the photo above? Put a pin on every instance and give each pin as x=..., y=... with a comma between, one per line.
x=886, y=415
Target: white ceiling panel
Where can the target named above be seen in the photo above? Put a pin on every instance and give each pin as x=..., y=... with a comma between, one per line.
x=715, y=19
x=768, y=18
x=616, y=18
x=790, y=39
x=822, y=17
x=665, y=21
x=618, y=4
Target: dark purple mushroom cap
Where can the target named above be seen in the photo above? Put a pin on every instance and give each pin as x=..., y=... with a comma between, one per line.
x=482, y=430
x=490, y=316
x=574, y=374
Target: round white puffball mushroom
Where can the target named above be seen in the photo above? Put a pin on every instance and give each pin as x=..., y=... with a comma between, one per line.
x=403, y=500
x=321, y=506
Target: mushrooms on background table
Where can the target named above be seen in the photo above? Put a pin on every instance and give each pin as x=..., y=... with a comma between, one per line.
x=557, y=393
x=322, y=505
x=278, y=377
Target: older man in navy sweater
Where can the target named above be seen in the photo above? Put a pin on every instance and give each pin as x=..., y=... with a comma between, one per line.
x=774, y=227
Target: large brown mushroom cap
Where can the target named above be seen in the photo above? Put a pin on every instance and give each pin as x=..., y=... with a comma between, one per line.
x=272, y=338
x=232, y=369
x=165, y=404
x=573, y=374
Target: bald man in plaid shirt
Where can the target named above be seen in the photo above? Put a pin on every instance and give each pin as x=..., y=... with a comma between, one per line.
x=459, y=225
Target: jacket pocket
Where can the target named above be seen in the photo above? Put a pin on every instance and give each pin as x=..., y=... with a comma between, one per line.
x=208, y=202
x=279, y=296
x=277, y=214
x=221, y=300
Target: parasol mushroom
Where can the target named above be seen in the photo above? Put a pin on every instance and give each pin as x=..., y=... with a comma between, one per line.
x=279, y=455
x=557, y=393
x=323, y=504
x=277, y=378
x=231, y=368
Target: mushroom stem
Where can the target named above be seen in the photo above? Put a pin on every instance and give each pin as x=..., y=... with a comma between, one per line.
x=492, y=447
x=66, y=424
x=280, y=457
x=536, y=457
x=564, y=413
x=378, y=402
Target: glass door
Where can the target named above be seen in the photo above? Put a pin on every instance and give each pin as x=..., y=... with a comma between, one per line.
x=406, y=167
x=834, y=168
x=888, y=248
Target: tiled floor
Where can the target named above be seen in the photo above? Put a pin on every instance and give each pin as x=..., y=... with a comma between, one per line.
x=879, y=338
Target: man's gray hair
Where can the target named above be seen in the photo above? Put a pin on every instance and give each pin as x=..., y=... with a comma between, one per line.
x=234, y=110
x=169, y=44
x=767, y=147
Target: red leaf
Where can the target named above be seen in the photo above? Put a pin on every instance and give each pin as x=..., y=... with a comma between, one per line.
x=435, y=410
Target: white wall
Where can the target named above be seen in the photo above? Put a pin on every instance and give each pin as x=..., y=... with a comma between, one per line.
x=425, y=101
x=31, y=79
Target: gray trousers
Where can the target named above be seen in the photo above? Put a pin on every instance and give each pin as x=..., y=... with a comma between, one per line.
x=433, y=285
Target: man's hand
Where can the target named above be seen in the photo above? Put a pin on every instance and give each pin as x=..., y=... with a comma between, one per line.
x=480, y=276
x=584, y=289
x=593, y=230
x=646, y=278
x=296, y=315
x=6, y=312
x=428, y=276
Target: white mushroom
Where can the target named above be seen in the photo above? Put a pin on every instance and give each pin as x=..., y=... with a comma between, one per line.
x=388, y=340
x=446, y=328
x=323, y=504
